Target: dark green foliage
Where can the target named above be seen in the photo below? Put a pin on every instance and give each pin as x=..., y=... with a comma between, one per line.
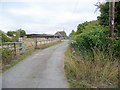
x=117, y=18
x=97, y=38
x=5, y=38
x=98, y=53
x=104, y=17
x=72, y=34
x=86, y=27
x=81, y=27
x=22, y=32
x=18, y=33
x=10, y=33
x=116, y=47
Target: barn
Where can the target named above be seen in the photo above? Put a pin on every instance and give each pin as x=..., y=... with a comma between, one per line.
x=42, y=36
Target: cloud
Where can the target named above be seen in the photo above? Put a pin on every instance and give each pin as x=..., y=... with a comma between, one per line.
x=40, y=1
x=46, y=16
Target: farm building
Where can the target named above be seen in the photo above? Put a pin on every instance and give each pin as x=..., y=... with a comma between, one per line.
x=61, y=34
x=42, y=36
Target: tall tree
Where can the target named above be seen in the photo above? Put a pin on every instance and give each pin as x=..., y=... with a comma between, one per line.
x=81, y=27
x=10, y=33
x=104, y=16
x=22, y=32
x=18, y=33
x=72, y=34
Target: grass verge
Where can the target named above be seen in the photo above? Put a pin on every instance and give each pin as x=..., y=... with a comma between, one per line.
x=26, y=54
x=87, y=72
x=49, y=45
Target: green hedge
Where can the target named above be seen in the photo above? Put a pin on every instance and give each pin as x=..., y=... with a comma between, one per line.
x=98, y=38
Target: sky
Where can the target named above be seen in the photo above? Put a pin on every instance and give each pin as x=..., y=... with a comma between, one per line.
x=46, y=16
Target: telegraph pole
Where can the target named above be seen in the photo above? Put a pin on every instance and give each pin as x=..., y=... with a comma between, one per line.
x=111, y=17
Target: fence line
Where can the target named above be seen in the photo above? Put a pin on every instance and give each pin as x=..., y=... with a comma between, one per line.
x=21, y=47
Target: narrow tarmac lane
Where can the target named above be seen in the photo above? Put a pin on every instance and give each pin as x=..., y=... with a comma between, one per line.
x=43, y=69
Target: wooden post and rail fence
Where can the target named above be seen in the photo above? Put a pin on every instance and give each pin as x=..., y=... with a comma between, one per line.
x=20, y=47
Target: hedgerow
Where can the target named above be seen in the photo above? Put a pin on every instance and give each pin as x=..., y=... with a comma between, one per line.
x=97, y=38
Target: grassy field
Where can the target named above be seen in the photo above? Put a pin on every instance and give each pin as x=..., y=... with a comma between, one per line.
x=86, y=72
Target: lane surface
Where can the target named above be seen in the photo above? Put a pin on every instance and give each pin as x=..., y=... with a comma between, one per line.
x=43, y=69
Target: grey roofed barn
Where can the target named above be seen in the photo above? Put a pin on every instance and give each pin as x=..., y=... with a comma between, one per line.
x=42, y=36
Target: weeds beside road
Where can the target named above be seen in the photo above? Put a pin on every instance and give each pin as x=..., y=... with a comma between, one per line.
x=92, y=59
x=88, y=72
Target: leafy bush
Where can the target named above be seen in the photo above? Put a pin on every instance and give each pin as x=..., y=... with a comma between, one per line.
x=5, y=38
x=116, y=47
x=98, y=38
x=7, y=55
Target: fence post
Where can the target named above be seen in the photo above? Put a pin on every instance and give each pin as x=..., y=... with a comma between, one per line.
x=15, y=49
x=20, y=50
x=44, y=42
x=23, y=47
x=36, y=43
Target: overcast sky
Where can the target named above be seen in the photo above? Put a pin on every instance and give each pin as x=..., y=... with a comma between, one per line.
x=45, y=16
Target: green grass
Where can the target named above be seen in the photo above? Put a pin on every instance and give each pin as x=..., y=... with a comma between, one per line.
x=50, y=45
x=26, y=54
x=87, y=72
x=73, y=83
x=20, y=58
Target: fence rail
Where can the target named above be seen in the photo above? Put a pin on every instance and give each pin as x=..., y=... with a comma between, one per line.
x=11, y=43
x=20, y=47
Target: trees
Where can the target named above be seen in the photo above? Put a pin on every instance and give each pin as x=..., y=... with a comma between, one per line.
x=10, y=33
x=104, y=17
x=5, y=38
x=22, y=32
x=18, y=33
x=117, y=18
x=80, y=28
x=84, y=27
x=72, y=34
